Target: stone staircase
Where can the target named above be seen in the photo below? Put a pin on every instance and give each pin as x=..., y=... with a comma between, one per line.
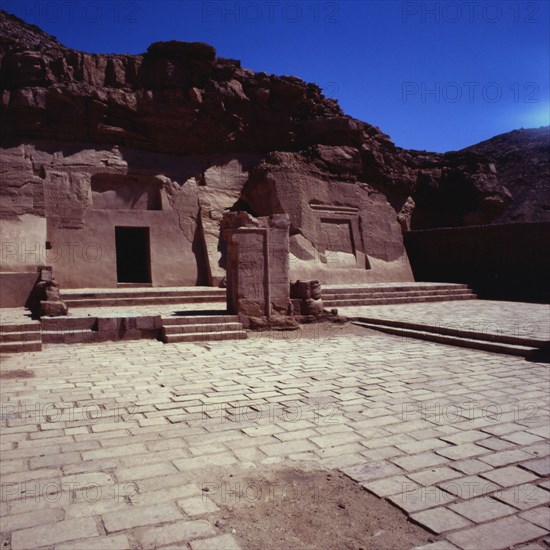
x=482, y=340
x=201, y=328
x=189, y=328
x=20, y=336
x=394, y=293
x=123, y=297
x=70, y=330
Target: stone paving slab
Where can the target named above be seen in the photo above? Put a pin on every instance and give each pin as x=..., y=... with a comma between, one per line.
x=484, y=316
x=109, y=445
x=14, y=315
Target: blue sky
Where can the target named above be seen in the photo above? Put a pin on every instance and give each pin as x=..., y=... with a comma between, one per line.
x=433, y=75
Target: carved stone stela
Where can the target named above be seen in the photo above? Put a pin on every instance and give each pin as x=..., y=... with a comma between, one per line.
x=340, y=237
x=257, y=265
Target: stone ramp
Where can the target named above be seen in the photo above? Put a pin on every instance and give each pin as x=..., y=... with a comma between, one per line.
x=467, y=340
x=393, y=293
x=501, y=327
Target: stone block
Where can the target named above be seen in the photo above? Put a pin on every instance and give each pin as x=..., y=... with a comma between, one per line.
x=312, y=307
x=130, y=334
x=127, y=323
x=308, y=293
x=46, y=273
x=53, y=309
x=440, y=519
x=502, y=533
x=149, y=322
x=105, y=335
x=149, y=333
x=79, y=337
x=107, y=324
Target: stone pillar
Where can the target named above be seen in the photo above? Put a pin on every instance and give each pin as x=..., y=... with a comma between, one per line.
x=258, y=283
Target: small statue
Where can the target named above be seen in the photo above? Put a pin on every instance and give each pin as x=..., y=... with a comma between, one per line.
x=306, y=297
x=45, y=299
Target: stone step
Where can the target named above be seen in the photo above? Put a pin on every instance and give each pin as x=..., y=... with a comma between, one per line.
x=494, y=347
x=67, y=323
x=88, y=336
x=30, y=326
x=402, y=300
x=194, y=329
x=18, y=347
x=69, y=336
x=458, y=332
x=411, y=293
x=226, y=335
x=199, y=319
x=19, y=336
x=152, y=300
x=76, y=294
x=395, y=287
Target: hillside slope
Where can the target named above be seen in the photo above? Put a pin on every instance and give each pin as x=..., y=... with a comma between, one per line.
x=522, y=159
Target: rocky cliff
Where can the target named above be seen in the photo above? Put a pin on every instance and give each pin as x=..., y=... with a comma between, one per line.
x=181, y=130
x=522, y=160
x=180, y=98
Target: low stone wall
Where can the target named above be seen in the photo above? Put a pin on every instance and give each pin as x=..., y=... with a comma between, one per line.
x=506, y=262
x=15, y=288
x=70, y=330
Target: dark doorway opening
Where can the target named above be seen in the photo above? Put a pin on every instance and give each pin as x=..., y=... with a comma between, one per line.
x=133, y=259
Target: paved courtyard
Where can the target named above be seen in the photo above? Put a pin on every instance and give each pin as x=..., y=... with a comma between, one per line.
x=519, y=319
x=111, y=445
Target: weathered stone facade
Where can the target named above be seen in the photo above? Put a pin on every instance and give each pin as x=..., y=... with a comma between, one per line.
x=89, y=192
x=119, y=168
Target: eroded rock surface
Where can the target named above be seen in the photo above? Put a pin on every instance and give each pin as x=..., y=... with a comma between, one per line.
x=522, y=161
x=456, y=189
x=171, y=139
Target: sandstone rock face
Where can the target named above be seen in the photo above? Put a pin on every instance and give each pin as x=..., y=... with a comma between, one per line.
x=177, y=98
x=341, y=229
x=87, y=192
x=501, y=180
x=168, y=141
x=456, y=189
